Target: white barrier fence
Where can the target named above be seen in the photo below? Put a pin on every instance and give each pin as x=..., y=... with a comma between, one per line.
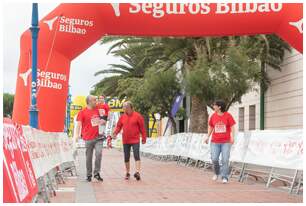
x=273, y=148
x=47, y=149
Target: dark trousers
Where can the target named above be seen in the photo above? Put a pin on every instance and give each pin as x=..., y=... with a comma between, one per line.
x=127, y=151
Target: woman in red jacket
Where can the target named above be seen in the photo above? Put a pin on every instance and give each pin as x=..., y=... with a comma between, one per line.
x=132, y=124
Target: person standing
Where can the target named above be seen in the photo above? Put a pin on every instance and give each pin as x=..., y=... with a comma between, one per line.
x=103, y=109
x=221, y=127
x=88, y=121
x=132, y=124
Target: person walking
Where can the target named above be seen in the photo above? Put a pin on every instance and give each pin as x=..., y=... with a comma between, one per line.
x=132, y=124
x=221, y=127
x=88, y=121
x=103, y=109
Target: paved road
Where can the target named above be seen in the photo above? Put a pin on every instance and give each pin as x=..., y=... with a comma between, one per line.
x=161, y=182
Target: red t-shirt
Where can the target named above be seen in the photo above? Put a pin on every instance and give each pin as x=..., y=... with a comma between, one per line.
x=222, y=127
x=90, y=121
x=103, y=109
x=132, y=126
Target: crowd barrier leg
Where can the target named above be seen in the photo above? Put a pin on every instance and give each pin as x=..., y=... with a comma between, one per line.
x=162, y=157
x=42, y=191
x=187, y=161
x=242, y=172
x=293, y=181
x=197, y=163
x=232, y=170
x=70, y=168
x=178, y=160
x=206, y=165
x=299, y=184
x=50, y=184
x=59, y=176
x=269, y=179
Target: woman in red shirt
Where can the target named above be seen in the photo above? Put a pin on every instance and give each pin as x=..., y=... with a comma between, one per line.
x=103, y=109
x=221, y=126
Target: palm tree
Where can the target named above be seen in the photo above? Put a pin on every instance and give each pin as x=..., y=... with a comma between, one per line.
x=134, y=66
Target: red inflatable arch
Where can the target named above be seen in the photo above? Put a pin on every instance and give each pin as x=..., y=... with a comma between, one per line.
x=70, y=29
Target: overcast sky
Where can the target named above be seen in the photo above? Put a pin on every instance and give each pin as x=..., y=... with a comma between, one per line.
x=17, y=18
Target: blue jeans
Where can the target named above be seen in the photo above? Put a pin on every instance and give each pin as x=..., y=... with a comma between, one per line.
x=224, y=149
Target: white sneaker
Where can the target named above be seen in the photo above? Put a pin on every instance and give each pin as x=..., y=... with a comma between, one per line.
x=215, y=178
x=224, y=181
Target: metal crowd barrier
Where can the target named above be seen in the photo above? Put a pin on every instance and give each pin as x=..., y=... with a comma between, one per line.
x=48, y=184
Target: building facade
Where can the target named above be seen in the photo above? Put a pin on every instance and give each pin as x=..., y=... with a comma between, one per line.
x=283, y=99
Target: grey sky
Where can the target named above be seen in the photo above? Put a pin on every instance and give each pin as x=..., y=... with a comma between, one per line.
x=17, y=18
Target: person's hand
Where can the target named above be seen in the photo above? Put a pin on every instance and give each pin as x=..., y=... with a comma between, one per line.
x=206, y=140
x=75, y=142
x=143, y=141
x=109, y=142
x=232, y=140
x=114, y=136
x=102, y=122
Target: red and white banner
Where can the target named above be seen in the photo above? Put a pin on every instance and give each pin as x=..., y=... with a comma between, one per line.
x=19, y=180
x=71, y=28
x=47, y=149
x=273, y=148
x=276, y=148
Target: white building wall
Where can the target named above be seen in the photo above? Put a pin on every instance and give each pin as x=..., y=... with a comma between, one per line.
x=283, y=99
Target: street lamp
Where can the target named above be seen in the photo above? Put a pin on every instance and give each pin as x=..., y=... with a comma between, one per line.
x=34, y=30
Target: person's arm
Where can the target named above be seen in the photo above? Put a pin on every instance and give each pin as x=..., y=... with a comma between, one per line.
x=118, y=128
x=209, y=132
x=233, y=129
x=142, y=130
x=233, y=133
x=78, y=128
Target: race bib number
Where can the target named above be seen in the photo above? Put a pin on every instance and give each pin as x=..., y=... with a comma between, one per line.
x=220, y=127
x=95, y=121
x=101, y=112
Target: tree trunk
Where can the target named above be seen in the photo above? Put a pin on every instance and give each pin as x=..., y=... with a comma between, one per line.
x=198, y=116
x=173, y=125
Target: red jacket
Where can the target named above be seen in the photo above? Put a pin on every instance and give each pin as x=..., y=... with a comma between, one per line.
x=132, y=126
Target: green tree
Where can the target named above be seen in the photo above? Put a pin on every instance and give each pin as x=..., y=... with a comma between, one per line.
x=228, y=76
x=160, y=89
x=8, y=102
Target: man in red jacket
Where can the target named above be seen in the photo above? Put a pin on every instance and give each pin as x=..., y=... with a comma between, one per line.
x=132, y=124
